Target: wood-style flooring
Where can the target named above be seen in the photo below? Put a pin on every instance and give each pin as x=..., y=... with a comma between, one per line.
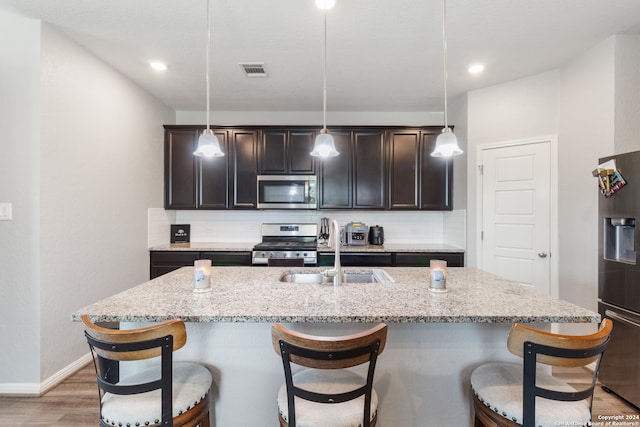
x=74, y=403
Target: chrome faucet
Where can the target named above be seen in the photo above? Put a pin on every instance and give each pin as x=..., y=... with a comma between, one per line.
x=336, y=272
x=337, y=279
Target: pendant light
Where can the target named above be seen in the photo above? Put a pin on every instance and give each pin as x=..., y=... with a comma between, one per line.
x=324, y=145
x=446, y=143
x=208, y=144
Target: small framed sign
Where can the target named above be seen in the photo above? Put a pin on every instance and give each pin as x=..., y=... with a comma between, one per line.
x=180, y=233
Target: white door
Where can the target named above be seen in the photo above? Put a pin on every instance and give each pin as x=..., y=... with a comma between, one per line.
x=516, y=213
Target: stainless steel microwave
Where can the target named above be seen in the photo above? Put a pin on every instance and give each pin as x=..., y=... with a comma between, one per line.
x=287, y=192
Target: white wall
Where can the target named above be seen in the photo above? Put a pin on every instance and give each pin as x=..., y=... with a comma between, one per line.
x=592, y=104
x=627, y=103
x=587, y=95
x=520, y=109
x=308, y=118
x=19, y=185
x=102, y=168
x=81, y=160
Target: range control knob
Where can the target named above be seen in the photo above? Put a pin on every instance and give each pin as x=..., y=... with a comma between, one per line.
x=271, y=255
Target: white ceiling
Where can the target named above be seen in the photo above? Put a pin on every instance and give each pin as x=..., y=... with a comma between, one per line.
x=383, y=55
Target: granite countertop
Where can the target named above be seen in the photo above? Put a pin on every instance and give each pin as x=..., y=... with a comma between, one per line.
x=241, y=295
x=322, y=247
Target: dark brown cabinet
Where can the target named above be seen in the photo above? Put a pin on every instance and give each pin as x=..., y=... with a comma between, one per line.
x=436, y=176
x=417, y=180
x=369, y=169
x=180, y=169
x=244, y=167
x=421, y=259
x=378, y=167
x=390, y=259
x=404, y=169
x=356, y=178
x=162, y=262
x=287, y=152
x=193, y=182
x=335, y=180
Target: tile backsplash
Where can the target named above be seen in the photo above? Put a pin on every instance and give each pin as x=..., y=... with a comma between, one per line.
x=244, y=226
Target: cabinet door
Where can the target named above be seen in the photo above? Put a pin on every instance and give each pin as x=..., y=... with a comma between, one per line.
x=334, y=190
x=180, y=169
x=436, y=177
x=356, y=259
x=404, y=149
x=213, y=177
x=227, y=258
x=163, y=262
x=273, y=156
x=244, y=169
x=369, y=170
x=287, y=152
x=421, y=259
x=300, y=160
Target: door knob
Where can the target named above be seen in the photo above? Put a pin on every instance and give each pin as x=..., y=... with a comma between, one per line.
x=542, y=254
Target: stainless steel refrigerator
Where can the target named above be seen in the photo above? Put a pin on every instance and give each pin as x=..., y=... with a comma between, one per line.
x=619, y=275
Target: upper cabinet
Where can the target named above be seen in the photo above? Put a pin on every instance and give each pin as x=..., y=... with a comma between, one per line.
x=244, y=169
x=378, y=167
x=285, y=151
x=436, y=176
x=369, y=171
x=356, y=178
x=335, y=175
x=404, y=169
x=193, y=182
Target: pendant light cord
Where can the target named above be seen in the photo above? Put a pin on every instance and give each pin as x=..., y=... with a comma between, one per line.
x=444, y=58
x=324, y=77
x=207, y=76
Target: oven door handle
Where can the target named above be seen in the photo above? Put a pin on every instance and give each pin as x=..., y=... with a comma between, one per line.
x=616, y=316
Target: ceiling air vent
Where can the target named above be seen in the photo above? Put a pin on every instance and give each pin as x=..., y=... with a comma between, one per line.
x=253, y=69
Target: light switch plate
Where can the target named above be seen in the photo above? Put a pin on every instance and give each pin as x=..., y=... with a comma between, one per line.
x=5, y=212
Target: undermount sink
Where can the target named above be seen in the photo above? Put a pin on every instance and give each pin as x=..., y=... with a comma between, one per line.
x=349, y=276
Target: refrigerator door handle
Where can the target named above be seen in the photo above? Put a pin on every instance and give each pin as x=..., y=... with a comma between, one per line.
x=620, y=318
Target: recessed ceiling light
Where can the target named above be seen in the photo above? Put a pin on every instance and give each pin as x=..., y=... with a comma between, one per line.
x=476, y=68
x=158, y=66
x=325, y=4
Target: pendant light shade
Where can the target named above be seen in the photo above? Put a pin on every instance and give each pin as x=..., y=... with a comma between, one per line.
x=446, y=143
x=208, y=144
x=324, y=145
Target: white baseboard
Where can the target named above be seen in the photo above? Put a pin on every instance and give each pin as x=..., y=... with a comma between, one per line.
x=38, y=389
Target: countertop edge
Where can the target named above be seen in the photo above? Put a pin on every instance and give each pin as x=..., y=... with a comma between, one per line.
x=76, y=317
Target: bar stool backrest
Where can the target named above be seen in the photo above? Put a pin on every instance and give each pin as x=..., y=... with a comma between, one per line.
x=322, y=352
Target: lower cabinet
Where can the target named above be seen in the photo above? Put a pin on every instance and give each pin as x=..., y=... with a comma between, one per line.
x=163, y=262
x=421, y=259
x=356, y=259
x=390, y=259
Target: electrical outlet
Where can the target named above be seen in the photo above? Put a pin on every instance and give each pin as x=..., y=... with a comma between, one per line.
x=5, y=212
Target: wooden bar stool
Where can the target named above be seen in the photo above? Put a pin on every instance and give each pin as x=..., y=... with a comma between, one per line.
x=504, y=394
x=168, y=394
x=326, y=394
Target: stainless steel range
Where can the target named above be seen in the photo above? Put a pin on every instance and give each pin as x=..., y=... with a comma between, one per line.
x=287, y=241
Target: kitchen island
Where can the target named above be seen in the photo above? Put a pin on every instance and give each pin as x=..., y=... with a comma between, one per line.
x=422, y=378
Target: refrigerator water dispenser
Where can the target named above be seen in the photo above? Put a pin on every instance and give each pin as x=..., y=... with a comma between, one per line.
x=620, y=239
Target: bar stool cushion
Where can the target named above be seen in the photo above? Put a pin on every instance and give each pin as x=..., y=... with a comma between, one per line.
x=499, y=386
x=191, y=383
x=313, y=414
